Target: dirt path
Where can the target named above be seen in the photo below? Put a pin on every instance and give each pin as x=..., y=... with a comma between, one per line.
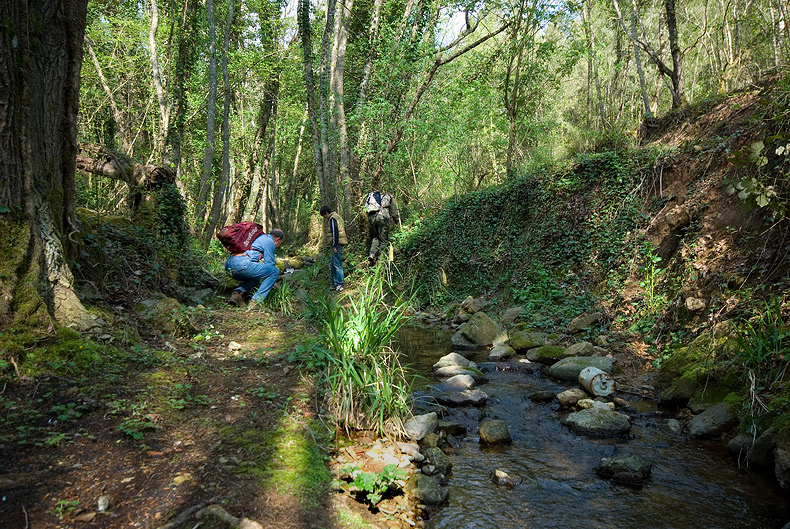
x=223, y=418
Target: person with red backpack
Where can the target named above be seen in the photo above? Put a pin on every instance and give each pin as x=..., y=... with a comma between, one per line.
x=253, y=266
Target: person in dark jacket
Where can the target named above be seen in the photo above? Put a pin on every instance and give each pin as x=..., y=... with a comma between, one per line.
x=255, y=268
x=381, y=209
x=334, y=239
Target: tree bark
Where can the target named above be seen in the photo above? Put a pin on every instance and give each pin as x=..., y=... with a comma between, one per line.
x=42, y=46
x=218, y=201
x=208, y=156
x=337, y=104
x=164, y=110
x=324, y=183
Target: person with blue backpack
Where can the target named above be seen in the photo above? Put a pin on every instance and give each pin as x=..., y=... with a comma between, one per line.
x=254, y=267
x=381, y=210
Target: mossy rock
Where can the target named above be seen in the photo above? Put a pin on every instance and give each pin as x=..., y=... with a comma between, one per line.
x=697, y=358
x=523, y=340
x=546, y=354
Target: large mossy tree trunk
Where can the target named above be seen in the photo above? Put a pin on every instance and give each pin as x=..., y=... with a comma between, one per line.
x=40, y=59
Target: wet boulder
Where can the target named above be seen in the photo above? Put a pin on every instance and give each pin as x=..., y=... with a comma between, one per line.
x=426, y=489
x=437, y=460
x=468, y=397
x=451, y=371
x=630, y=471
x=570, y=397
x=503, y=479
x=712, y=422
x=782, y=459
x=421, y=425
x=458, y=383
x=501, y=352
x=480, y=329
x=543, y=396
x=758, y=453
x=679, y=393
x=452, y=359
x=598, y=422
x=569, y=368
x=494, y=432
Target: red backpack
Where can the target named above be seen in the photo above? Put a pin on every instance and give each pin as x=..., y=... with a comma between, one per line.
x=237, y=238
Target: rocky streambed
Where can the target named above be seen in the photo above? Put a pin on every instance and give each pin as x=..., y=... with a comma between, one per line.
x=508, y=438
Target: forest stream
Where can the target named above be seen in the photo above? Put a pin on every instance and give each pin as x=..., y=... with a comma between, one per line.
x=693, y=483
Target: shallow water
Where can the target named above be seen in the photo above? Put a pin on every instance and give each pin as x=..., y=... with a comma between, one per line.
x=693, y=483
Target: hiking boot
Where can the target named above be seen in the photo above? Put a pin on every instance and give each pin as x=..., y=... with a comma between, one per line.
x=371, y=261
x=251, y=306
x=236, y=299
x=339, y=288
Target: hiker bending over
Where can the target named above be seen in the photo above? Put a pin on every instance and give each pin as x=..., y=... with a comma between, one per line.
x=255, y=266
x=381, y=209
x=334, y=239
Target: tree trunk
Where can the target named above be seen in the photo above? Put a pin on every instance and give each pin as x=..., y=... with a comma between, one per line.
x=127, y=144
x=186, y=56
x=218, y=202
x=328, y=151
x=41, y=46
x=324, y=183
x=164, y=110
x=336, y=96
x=676, y=74
x=208, y=156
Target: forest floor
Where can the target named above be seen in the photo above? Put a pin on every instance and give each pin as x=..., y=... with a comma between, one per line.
x=225, y=420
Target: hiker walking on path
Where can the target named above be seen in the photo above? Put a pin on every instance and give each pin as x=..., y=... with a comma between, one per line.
x=253, y=267
x=334, y=239
x=381, y=209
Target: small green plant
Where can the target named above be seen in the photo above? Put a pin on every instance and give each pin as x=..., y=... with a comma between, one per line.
x=374, y=484
x=652, y=302
x=181, y=397
x=263, y=393
x=64, y=507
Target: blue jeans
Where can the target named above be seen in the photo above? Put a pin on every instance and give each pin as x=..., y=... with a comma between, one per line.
x=251, y=273
x=336, y=265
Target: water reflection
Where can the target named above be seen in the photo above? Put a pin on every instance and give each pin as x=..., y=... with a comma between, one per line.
x=693, y=483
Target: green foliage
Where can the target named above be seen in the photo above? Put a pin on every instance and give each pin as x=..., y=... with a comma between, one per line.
x=650, y=307
x=364, y=383
x=281, y=299
x=762, y=346
x=549, y=232
x=374, y=484
x=761, y=176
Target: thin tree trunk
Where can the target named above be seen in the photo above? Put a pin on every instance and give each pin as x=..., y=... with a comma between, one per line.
x=208, y=156
x=218, y=203
x=337, y=104
x=631, y=32
x=161, y=96
x=127, y=144
x=186, y=55
x=305, y=31
x=328, y=153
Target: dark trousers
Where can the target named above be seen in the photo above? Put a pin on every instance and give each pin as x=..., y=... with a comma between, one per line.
x=378, y=234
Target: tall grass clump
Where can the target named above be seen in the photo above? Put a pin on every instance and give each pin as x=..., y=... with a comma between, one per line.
x=365, y=384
